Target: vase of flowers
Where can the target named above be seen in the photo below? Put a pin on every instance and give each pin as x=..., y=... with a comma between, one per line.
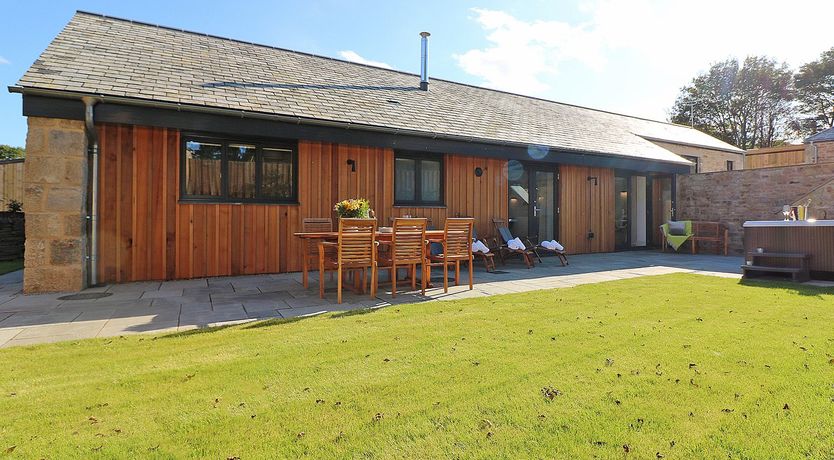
x=356, y=208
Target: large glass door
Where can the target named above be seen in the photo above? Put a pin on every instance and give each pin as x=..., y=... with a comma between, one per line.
x=532, y=207
x=632, y=211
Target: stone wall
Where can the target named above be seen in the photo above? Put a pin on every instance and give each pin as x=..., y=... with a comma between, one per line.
x=12, y=235
x=709, y=160
x=55, y=195
x=824, y=152
x=733, y=197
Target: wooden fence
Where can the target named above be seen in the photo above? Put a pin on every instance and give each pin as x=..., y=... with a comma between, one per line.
x=11, y=182
x=784, y=155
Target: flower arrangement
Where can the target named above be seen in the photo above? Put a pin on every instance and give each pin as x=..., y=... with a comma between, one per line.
x=353, y=208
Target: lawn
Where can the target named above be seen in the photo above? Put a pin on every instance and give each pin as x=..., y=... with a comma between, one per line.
x=10, y=266
x=678, y=366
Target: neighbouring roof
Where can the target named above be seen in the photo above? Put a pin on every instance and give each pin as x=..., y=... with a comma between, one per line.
x=114, y=57
x=822, y=136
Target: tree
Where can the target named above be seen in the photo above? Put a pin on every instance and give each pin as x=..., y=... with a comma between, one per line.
x=815, y=94
x=7, y=152
x=747, y=105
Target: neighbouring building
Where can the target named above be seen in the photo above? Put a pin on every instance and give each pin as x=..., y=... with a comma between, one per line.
x=155, y=153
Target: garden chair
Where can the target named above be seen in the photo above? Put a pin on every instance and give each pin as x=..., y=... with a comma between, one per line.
x=457, y=247
x=354, y=250
x=488, y=258
x=506, y=236
x=408, y=249
x=313, y=225
x=503, y=250
x=675, y=234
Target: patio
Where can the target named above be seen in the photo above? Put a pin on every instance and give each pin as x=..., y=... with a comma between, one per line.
x=173, y=306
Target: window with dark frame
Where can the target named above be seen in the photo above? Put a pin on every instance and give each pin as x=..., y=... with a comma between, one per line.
x=729, y=165
x=238, y=171
x=418, y=179
x=696, y=164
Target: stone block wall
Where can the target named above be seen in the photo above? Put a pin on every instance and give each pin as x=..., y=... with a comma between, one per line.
x=824, y=152
x=733, y=197
x=55, y=177
x=709, y=160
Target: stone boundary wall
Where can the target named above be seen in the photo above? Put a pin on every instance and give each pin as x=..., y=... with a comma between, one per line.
x=12, y=235
x=733, y=197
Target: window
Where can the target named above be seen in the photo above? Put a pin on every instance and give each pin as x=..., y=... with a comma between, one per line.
x=696, y=164
x=221, y=170
x=729, y=165
x=418, y=180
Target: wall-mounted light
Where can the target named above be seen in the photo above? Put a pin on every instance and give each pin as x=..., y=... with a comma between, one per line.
x=352, y=164
x=479, y=172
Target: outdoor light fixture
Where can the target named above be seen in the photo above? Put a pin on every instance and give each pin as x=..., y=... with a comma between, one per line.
x=479, y=172
x=352, y=164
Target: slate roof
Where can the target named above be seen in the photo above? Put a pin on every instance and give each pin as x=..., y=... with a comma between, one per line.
x=822, y=136
x=115, y=57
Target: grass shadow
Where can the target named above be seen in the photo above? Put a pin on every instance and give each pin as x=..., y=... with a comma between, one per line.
x=358, y=311
x=780, y=283
x=197, y=331
x=274, y=322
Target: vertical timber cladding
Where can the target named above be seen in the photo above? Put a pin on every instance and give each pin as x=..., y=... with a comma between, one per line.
x=585, y=206
x=146, y=234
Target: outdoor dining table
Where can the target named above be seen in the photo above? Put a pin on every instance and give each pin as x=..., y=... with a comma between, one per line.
x=434, y=236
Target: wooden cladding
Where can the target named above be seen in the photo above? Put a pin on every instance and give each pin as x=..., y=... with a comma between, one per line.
x=145, y=233
x=11, y=182
x=816, y=241
x=587, y=205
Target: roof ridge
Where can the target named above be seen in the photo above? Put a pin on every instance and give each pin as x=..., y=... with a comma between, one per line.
x=304, y=53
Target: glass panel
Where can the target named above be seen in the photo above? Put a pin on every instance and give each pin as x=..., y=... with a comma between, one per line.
x=242, y=171
x=277, y=174
x=430, y=181
x=638, y=211
x=620, y=212
x=519, y=183
x=203, y=168
x=545, y=199
x=405, y=179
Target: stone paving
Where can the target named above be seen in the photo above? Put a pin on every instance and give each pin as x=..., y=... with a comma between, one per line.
x=172, y=306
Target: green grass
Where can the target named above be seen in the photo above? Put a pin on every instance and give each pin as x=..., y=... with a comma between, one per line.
x=682, y=365
x=10, y=266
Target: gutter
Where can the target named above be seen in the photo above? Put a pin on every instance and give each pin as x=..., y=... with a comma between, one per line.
x=92, y=190
x=304, y=121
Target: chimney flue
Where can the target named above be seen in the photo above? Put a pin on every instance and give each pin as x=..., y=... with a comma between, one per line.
x=424, y=61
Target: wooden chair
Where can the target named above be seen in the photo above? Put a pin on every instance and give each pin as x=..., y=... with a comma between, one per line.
x=488, y=258
x=457, y=247
x=503, y=250
x=711, y=232
x=355, y=250
x=312, y=225
x=408, y=249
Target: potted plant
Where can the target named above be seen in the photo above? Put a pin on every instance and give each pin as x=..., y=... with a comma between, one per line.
x=353, y=208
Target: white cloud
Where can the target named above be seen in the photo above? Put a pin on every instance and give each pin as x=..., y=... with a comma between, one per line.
x=4, y=60
x=655, y=46
x=353, y=56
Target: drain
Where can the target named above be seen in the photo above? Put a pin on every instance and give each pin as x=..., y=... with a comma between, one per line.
x=86, y=296
x=499, y=272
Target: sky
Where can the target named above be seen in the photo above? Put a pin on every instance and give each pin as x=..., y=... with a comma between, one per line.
x=629, y=57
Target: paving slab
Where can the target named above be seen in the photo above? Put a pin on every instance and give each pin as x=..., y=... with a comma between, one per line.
x=157, y=307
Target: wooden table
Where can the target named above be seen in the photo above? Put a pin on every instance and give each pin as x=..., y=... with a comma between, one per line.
x=435, y=236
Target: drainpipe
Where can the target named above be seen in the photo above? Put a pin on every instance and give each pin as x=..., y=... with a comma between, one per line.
x=92, y=197
x=816, y=148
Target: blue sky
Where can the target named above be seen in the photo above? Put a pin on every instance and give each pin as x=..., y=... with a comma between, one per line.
x=629, y=57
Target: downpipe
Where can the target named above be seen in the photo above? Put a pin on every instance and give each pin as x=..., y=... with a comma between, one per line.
x=92, y=197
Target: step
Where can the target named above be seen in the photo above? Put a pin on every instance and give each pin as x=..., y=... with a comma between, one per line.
x=783, y=255
x=767, y=268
